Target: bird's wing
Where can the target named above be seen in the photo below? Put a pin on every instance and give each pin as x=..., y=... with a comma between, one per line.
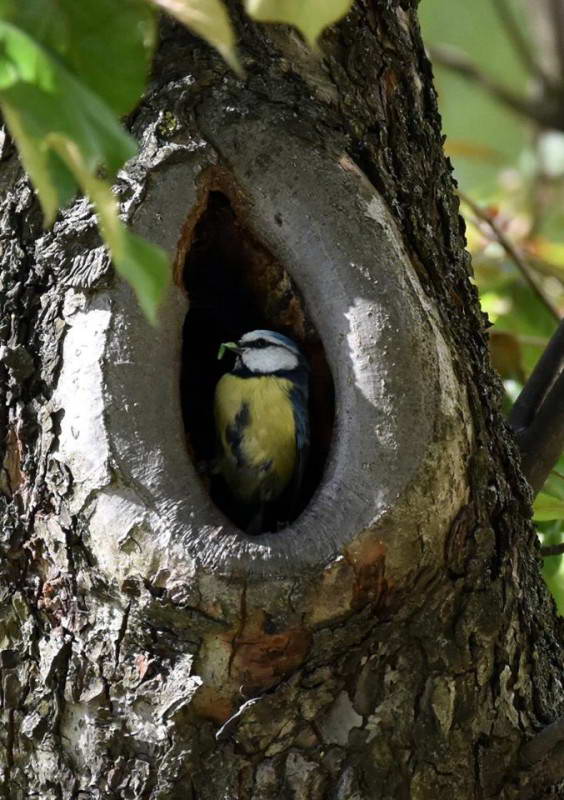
x=301, y=419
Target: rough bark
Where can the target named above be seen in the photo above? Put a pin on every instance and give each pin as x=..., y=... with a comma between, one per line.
x=395, y=641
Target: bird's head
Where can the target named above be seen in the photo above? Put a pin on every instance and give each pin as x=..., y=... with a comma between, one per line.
x=265, y=352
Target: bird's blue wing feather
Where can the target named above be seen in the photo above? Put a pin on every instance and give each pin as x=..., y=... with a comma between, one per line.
x=301, y=418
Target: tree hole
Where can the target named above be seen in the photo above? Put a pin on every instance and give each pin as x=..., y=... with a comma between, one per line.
x=234, y=285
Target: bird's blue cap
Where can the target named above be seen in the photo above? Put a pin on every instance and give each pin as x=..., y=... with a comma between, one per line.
x=272, y=336
x=254, y=337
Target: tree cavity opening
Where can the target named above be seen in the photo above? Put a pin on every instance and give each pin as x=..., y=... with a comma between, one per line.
x=235, y=285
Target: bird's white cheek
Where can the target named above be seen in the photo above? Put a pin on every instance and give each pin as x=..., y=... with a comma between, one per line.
x=269, y=359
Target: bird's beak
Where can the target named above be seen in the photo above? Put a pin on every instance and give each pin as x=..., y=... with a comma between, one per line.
x=233, y=346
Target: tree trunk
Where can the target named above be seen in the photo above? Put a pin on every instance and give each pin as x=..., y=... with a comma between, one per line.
x=396, y=639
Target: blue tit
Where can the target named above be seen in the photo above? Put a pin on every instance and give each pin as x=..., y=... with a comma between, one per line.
x=262, y=426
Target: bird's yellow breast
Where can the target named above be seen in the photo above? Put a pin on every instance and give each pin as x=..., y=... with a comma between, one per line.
x=263, y=457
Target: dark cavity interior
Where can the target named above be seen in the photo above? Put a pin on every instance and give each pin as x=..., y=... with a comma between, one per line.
x=235, y=285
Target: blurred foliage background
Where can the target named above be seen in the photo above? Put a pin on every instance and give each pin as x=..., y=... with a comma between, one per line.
x=499, y=72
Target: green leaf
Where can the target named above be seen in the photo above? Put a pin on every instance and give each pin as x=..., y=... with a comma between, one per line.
x=309, y=16
x=548, y=508
x=65, y=133
x=554, y=484
x=226, y=346
x=107, y=44
x=110, y=47
x=145, y=266
x=208, y=19
x=41, y=19
x=38, y=96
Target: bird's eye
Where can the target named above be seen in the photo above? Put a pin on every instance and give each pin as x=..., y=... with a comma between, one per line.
x=261, y=343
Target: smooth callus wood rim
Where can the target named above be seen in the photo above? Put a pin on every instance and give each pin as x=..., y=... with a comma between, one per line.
x=401, y=422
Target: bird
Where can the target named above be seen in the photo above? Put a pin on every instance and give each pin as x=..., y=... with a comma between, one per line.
x=262, y=428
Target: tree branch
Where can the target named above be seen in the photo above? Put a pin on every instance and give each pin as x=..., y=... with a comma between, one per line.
x=545, y=769
x=552, y=550
x=540, y=746
x=537, y=416
x=540, y=110
x=519, y=41
x=512, y=252
x=542, y=442
x=557, y=26
x=540, y=382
